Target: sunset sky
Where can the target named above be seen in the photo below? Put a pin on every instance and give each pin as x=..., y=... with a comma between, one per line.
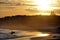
x=27, y=7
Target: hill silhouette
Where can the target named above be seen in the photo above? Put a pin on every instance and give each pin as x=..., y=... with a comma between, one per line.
x=24, y=22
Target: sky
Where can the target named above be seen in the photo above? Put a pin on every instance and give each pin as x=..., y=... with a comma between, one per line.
x=13, y=9
x=19, y=7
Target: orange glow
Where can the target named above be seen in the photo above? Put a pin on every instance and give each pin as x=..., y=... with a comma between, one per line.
x=44, y=5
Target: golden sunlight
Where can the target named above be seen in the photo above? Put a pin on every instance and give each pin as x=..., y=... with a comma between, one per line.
x=44, y=5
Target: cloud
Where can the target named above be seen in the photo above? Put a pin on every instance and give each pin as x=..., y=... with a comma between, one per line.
x=15, y=7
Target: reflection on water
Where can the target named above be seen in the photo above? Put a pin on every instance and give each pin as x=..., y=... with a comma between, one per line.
x=5, y=34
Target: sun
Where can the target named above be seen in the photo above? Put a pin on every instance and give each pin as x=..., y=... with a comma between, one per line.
x=44, y=5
